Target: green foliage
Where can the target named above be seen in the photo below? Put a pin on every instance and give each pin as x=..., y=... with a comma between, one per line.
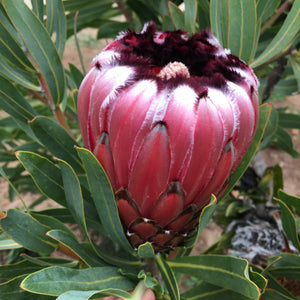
x=40, y=151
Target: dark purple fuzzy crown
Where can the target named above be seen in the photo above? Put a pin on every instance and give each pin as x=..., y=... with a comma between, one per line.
x=201, y=53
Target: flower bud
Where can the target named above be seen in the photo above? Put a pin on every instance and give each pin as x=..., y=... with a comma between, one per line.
x=169, y=118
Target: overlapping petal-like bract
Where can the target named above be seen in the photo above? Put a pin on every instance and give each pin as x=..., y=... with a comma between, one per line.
x=169, y=118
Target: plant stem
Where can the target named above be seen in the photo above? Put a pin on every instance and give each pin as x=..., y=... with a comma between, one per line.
x=273, y=78
x=124, y=10
x=279, y=11
x=56, y=110
x=151, y=266
x=77, y=43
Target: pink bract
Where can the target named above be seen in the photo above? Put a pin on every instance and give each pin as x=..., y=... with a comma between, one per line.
x=169, y=118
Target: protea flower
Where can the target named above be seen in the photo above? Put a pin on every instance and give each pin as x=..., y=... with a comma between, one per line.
x=169, y=118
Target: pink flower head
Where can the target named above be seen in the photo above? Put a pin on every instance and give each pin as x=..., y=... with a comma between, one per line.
x=169, y=118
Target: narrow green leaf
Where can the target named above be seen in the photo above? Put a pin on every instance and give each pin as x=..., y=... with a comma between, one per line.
x=207, y=291
x=203, y=19
x=283, y=37
x=76, y=75
x=289, y=200
x=177, y=16
x=58, y=280
x=289, y=223
x=69, y=241
x=85, y=295
x=50, y=261
x=266, y=8
x=40, y=45
x=216, y=16
x=13, y=102
x=296, y=69
x=52, y=223
x=169, y=277
x=237, y=26
x=27, y=231
x=20, y=268
x=146, y=250
x=8, y=244
x=204, y=219
x=287, y=272
x=283, y=140
x=11, y=50
x=275, y=295
x=12, y=74
x=264, y=114
x=277, y=180
x=46, y=175
x=111, y=29
x=274, y=285
x=104, y=198
x=56, y=22
x=73, y=195
x=289, y=120
x=11, y=290
x=56, y=139
x=224, y=271
x=30, y=265
x=38, y=8
x=190, y=15
x=4, y=175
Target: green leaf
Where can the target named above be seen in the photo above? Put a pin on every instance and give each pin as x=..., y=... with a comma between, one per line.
x=30, y=265
x=296, y=69
x=264, y=114
x=8, y=244
x=289, y=223
x=283, y=38
x=283, y=140
x=13, y=102
x=11, y=290
x=275, y=295
x=58, y=280
x=13, y=74
x=73, y=195
x=224, y=271
x=289, y=120
x=177, y=16
x=40, y=46
x=203, y=19
x=272, y=124
x=266, y=8
x=10, y=49
x=56, y=139
x=234, y=23
x=20, y=268
x=104, y=198
x=76, y=75
x=56, y=22
x=204, y=219
x=146, y=250
x=190, y=15
x=111, y=29
x=289, y=200
x=169, y=277
x=46, y=175
x=85, y=295
x=27, y=231
x=287, y=272
x=38, y=8
x=70, y=242
x=207, y=291
x=277, y=180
